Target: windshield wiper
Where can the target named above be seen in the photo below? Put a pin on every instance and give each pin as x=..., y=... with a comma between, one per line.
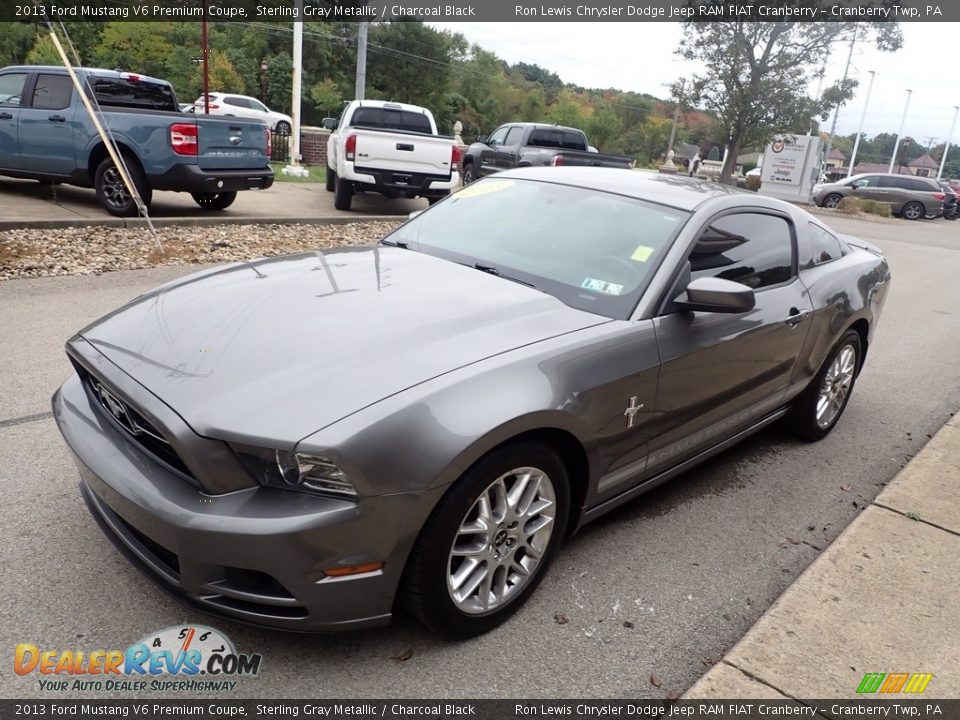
x=491, y=270
x=396, y=243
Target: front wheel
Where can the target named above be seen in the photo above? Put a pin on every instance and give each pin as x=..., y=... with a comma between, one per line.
x=489, y=542
x=832, y=200
x=214, y=201
x=913, y=211
x=112, y=192
x=820, y=406
x=342, y=194
x=469, y=174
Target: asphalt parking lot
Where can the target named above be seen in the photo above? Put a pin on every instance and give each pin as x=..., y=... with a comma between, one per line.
x=661, y=587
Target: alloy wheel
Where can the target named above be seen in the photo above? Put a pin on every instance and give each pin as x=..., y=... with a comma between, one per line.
x=836, y=386
x=114, y=191
x=501, y=540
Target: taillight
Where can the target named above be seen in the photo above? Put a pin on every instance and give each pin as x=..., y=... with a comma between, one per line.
x=556, y=161
x=351, y=147
x=938, y=196
x=213, y=106
x=183, y=138
x=269, y=144
x=455, y=157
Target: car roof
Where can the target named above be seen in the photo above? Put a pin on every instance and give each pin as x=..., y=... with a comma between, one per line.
x=679, y=191
x=99, y=72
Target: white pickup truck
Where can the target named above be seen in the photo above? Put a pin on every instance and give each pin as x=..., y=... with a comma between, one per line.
x=389, y=148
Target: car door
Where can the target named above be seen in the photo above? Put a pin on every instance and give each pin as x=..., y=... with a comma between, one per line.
x=507, y=155
x=722, y=372
x=12, y=86
x=869, y=187
x=47, y=126
x=488, y=156
x=260, y=111
x=238, y=107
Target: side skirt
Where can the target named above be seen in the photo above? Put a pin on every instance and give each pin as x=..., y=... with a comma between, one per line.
x=647, y=485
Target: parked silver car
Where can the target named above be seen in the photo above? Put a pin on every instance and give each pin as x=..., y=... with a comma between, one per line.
x=310, y=442
x=909, y=196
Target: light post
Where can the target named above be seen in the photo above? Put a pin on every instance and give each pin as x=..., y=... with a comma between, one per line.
x=863, y=116
x=946, y=146
x=896, y=145
x=263, y=81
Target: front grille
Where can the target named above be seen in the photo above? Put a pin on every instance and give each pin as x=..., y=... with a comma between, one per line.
x=121, y=414
x=158, y=553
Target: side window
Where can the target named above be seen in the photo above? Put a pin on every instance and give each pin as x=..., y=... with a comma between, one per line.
x=52, y=92
x=749, y=248
x=498, y=136
x=237, y=102
x=513, y=137
x=11, y=87
x=869, y=181
x=257, y=105
x=889, y=182
x=824, y=246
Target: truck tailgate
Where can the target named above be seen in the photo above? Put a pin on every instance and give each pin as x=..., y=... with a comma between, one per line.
x=403, y=152
x=230, y=143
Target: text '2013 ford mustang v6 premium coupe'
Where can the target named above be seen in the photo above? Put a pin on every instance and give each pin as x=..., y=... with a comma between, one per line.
x=309, y=442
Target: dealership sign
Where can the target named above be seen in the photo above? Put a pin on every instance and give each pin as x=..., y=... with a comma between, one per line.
x=784, y=160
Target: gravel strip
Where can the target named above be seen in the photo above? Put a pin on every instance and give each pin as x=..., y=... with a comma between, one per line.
x=95, y=250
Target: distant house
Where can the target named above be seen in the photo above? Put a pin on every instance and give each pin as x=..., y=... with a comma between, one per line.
x=873, y=168
x=923, y=166
x=836, y=159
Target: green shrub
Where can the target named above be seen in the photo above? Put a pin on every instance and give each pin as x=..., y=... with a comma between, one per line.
x=849, y=206
x=753, y=183
x=874, y=207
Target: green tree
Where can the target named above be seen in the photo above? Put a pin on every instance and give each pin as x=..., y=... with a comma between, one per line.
x=757, y=74
x=16, y=40
x=603, y=129
x=327, y=97
x=43, y=52
x=409, y=62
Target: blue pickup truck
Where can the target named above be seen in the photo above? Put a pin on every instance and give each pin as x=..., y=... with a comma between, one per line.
x=47, y=135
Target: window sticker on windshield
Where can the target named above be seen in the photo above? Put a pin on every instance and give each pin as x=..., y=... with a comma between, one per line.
x=483, y=188
x=642, y=253
x=607, y=288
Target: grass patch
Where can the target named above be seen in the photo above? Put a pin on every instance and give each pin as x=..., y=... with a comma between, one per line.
x=318, y=174
x=854, y=206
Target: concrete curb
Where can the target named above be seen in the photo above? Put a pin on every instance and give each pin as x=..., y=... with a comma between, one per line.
x=881, y=598
x=199, y=221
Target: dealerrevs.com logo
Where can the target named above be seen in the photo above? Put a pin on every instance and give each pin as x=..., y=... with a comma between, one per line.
x=185, y=658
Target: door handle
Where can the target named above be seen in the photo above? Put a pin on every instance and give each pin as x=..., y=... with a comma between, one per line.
x=796, y=316
x=57, y=118
x=6, y=116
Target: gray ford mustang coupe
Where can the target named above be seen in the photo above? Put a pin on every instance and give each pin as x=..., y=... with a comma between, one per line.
x=309, y=442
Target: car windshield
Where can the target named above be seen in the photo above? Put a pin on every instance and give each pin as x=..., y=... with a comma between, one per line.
x=592, y=250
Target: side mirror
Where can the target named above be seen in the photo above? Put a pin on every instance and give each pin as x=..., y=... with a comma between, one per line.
x=328, y=123
x=717, y=295
x=482, y=139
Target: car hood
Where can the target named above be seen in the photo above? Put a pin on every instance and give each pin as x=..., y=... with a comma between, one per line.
x=274, y=350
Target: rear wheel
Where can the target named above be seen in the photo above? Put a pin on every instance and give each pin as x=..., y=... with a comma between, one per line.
x=215, y=201
x=331, y=179
x=469, y=174
x=832, y=200
x=489, y=541
x=913, y=211
x=342, y=194
x=113, y=194
x=282, y=128
x=820, y=406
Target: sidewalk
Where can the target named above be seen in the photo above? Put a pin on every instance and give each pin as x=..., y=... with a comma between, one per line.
x=30, y=204
x=883, y=598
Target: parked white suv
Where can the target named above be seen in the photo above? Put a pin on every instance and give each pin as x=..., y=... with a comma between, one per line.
x=246, y=107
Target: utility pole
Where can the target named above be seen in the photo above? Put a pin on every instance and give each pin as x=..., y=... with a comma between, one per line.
x=946, y=145
x=361, y=86
x=294, y=167
x=205, y=52
x=676, y=118
x=896, y=145
x=836, y=114
x=863, y=116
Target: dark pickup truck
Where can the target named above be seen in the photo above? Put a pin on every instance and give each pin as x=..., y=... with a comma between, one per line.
x=528, y=144
x=47, y=135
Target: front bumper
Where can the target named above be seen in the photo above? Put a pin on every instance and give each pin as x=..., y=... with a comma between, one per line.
x=194, y=179
x=255, y=555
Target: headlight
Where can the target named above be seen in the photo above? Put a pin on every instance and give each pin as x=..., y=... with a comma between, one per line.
x=295, y=471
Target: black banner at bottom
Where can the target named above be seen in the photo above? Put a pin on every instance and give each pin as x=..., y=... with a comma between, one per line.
x=484, y=709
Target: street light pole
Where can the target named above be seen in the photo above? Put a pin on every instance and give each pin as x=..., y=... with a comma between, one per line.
x=946, y=146
x=863, y=116
x=896, y=145
x=205, y=51
x=676, y=118
x=836, y=113
x=361, y=80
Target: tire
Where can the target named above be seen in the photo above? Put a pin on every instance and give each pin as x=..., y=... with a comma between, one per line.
x=437, y=561
x=831, y=200
x=469, y=174
x=111, y=192
x=805, y=420
x=913, y=211
x=282, y=128
x=342, y=194
x=331, y=179
x=214, y=201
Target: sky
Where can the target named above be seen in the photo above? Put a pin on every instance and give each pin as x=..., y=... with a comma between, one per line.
x=639, y=57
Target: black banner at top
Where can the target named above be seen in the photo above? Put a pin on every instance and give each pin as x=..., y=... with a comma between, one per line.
x=481, y=10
